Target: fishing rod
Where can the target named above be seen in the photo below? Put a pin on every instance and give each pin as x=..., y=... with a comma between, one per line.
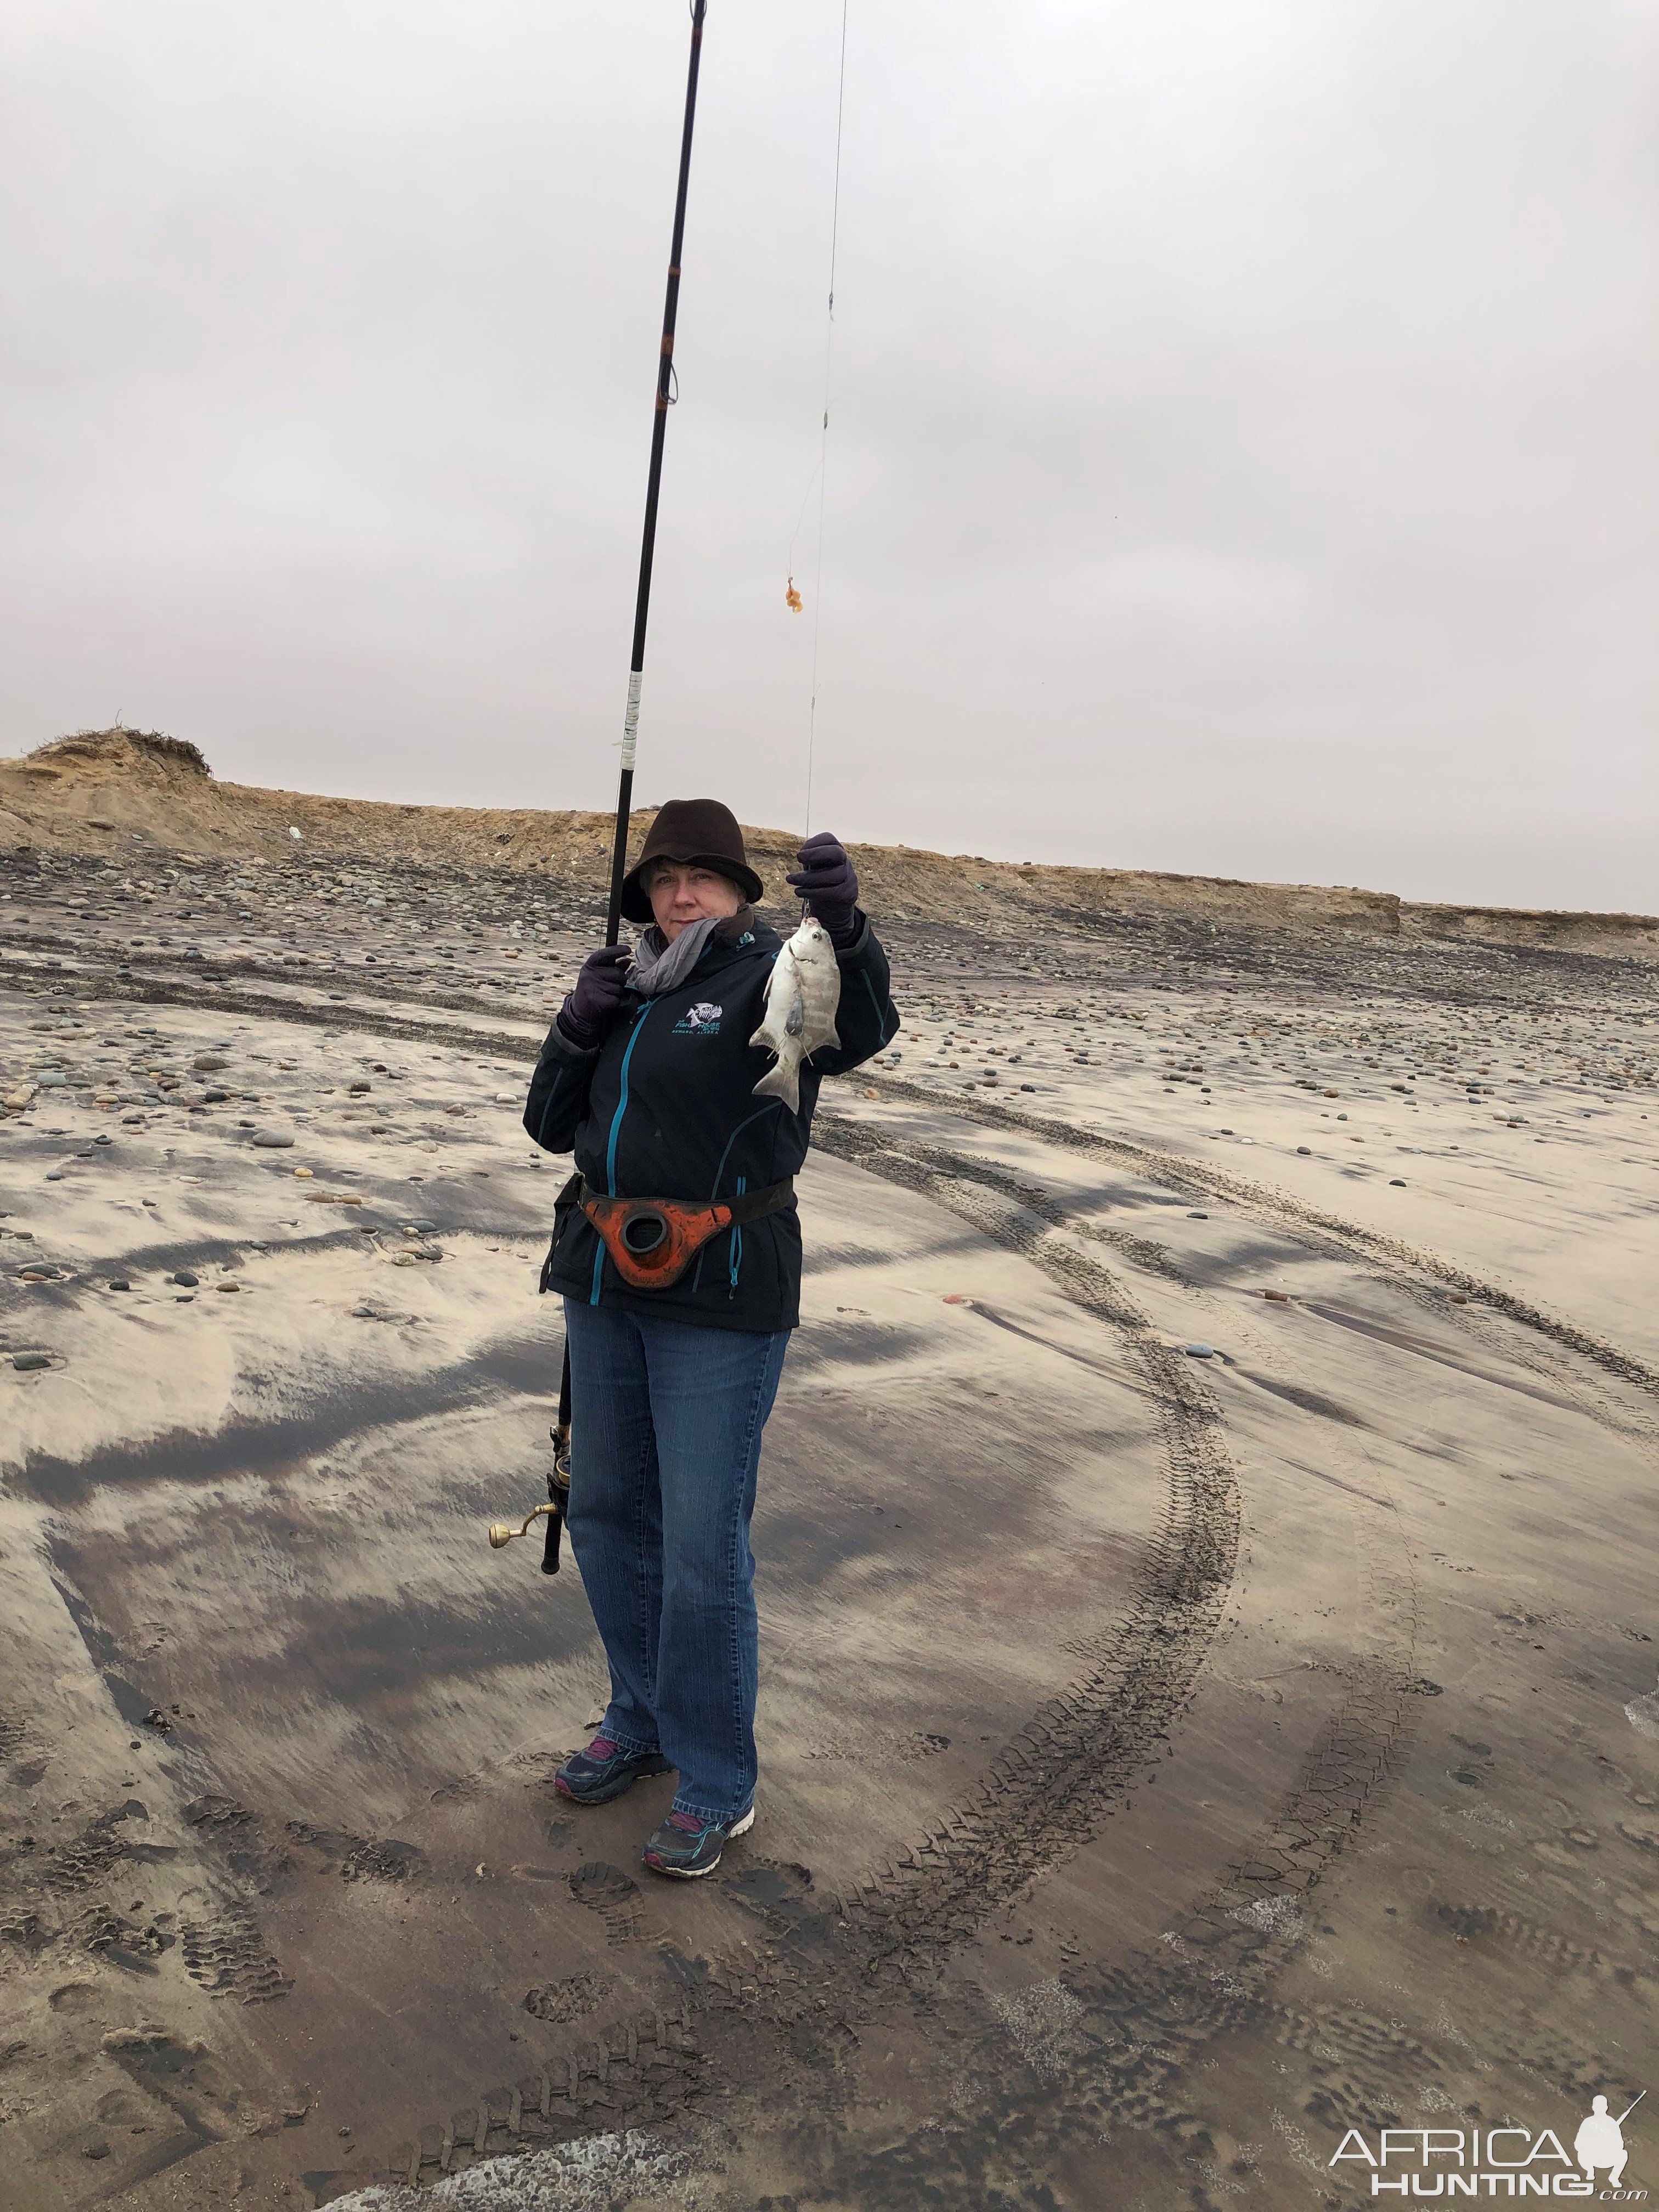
x=502, y=1533
x=666, y=392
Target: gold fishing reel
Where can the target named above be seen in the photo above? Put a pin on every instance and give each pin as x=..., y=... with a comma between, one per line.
x=502, y=1533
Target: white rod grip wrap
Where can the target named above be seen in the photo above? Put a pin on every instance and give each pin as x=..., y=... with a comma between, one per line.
x=631, y=720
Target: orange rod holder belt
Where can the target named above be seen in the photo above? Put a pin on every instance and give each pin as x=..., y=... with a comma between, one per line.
x=653, y=1241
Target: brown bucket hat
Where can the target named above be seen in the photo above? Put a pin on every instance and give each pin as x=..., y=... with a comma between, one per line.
x=699, y=832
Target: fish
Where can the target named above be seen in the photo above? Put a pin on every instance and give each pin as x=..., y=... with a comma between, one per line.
x=802, y=995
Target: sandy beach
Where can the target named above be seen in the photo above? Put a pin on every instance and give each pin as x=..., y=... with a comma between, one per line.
x=1206, y=1546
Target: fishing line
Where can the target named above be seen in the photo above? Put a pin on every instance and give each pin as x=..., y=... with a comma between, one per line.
x=821, y=475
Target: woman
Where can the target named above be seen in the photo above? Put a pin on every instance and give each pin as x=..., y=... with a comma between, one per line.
x=678, y=1316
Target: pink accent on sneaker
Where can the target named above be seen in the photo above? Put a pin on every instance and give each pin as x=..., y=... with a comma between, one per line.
x=601, y=1748
x=688, y=1823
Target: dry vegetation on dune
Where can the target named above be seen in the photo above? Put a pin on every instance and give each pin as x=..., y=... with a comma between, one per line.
x=89, y=792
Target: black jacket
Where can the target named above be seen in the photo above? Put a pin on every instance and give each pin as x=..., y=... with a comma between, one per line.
x=665, y=1108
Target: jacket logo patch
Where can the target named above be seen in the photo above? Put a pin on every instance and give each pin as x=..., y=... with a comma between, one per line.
x=701, y=1020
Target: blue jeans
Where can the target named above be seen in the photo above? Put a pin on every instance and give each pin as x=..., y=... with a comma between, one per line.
x=665, y=1435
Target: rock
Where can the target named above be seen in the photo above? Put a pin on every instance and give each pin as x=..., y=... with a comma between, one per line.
x=210, y=1063
x=1396, y=1182
x=186, y=1279
x=54, y=1174
x=1277, y=1297
x=119, y=1283
x=1197, y=1217
x=1305, y=1151
x=272, y=1140
x=1199, y=1351
x=227, y=1286
x=26, y=1362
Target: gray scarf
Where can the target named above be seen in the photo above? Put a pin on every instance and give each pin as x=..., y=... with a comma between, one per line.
x=659, y=966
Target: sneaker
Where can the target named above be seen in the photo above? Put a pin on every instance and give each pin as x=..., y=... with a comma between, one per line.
x=686, y=1847
x=603, y=1771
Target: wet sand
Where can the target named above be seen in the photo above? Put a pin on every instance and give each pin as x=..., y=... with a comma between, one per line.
x=1206, y=1543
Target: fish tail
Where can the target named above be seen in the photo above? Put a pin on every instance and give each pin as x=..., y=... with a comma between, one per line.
x=781, y=1082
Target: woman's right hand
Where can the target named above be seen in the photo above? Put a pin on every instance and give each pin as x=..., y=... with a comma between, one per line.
x=598, y=995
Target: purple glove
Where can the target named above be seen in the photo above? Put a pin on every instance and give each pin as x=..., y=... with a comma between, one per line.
x=586, y=1012
x=828, y=885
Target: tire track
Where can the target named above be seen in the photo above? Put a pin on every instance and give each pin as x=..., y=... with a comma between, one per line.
x=1308, y=1223
x=798, y=2000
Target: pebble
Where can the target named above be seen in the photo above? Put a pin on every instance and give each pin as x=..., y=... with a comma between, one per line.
x=54, y=1174
x=1305, y=1151
x=119, y=1283
x=27, y=1362
x=272, y=1140
x=185, y=1279
x=1277, y=1298
x=1396, y=1182
x=1199, y=1351
x=227, y=1286
x=1197, y=1217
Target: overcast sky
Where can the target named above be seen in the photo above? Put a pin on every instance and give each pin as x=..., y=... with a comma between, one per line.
x=1242, y=445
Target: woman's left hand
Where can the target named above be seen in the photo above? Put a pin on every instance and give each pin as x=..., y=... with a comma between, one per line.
x=828, y=882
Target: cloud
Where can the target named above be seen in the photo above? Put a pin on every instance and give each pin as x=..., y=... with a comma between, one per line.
x=1242, y=446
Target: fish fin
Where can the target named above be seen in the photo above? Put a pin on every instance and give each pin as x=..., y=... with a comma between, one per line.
x=832, y=1037
x=761, y=1040
x=781, y=1082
